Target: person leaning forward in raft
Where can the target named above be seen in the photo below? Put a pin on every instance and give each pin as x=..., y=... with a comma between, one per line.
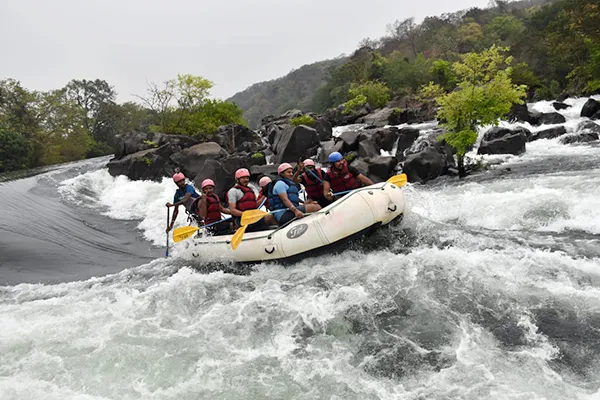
x=210, y=209
x=185, y=195
x=242, y=198
x=341, y=177
x=284, y=195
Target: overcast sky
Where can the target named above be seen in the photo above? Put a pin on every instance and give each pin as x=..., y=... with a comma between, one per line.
x=234, y=43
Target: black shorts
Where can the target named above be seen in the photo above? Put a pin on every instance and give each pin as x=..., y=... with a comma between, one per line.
x=323, y=202
x=289, y=215
x=222, y=228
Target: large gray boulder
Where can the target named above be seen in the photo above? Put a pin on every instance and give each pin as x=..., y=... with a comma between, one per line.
x=324, y=129
x=294, y=143
x=378, y=118
x=149, y=164
x=590, y=108
x=367, y=149
x=587, y=131
x=132, y=142
x=191, y=160
x=350, y=140
x=550, y=133
x=425, y=165
x=512, y=143
x=327, y=148
x=235, y=137
x=550, y=118
x=406, y=138
x=380, y=168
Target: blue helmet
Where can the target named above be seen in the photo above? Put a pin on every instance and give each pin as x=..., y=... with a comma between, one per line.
x=335, y=156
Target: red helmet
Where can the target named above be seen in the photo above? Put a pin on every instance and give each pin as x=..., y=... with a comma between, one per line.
x=178, y=177
x=207, y=182
x=283, y=167
x=241, y=173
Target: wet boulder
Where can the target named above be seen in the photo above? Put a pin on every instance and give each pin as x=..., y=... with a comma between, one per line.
x=406, y=138
x=579, y=138
x=550, y=133
x=425, y=165
x=380, y=168
x=511, y=143
x=550, y=118
x=338, y=116
x=149, y=164
x=181, y=141
x=190, y=161
x=294, y=143
x=519, y=112
x=560, y=106
x=368, y=148
x=499, y=132
x=132, y=142
x=235, y=137
x=327, y=148
x=350, y=140
x=324, y=129
x=590, y=109
x=258, y=171
x=378, y=118
x=587, y=131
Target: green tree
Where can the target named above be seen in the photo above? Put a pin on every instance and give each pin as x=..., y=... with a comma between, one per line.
x=376, y=93
x=14, y=150
x=484, y=93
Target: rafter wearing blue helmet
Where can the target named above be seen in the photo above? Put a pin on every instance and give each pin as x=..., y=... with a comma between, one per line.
x=341, y=177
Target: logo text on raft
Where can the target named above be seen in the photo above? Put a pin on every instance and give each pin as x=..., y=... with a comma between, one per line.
x=297, y=231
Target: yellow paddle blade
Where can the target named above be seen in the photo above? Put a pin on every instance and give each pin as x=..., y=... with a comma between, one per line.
x=252, y=216
x=184, y=232
x=398, y=180
x=237, y=237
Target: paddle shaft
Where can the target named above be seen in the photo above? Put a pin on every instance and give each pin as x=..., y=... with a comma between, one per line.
x=168, y=222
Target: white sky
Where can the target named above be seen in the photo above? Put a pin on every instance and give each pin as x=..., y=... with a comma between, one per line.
x=234, y=43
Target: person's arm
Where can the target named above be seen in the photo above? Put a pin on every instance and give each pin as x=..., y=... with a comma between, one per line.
x=365, y=181
x=225, y=210
x=327, y=190
x=203, y=207
x=298, y=172
x=286, y=201
x=175, y=213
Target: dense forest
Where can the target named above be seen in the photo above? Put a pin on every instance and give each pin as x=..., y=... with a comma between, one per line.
x=555, y=49
x=81, y=119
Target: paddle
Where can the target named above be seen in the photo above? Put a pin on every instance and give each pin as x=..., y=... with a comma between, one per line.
x=168, y=221
x=249, y=217
x=185, y=232
x=398, y=180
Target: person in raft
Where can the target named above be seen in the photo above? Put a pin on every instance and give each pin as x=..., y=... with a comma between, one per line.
x=241, y=198
x=265, y=184
x=284, y=195
x=185, y=195
x=312, y=179
x=340, y=177
x=210, y=209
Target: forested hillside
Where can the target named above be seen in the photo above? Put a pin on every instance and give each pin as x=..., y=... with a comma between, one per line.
x=555, y=49
x=295, y=90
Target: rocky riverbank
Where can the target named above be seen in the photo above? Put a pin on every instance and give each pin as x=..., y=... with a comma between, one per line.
x=401, y=136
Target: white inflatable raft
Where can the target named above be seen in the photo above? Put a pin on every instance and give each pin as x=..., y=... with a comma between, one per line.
x=360, y=211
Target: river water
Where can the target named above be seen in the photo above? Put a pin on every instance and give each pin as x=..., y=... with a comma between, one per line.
x=490, y=288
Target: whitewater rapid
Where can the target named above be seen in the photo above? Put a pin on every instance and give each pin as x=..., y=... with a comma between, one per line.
x=490, y=288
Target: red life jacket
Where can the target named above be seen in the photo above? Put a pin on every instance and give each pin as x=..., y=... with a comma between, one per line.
x=248, y=201
x=343, y=180
x=314, y=188
x=213, y=209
